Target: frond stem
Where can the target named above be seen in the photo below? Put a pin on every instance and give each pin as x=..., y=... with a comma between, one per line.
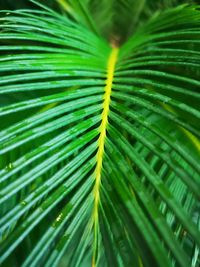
x=101, y=143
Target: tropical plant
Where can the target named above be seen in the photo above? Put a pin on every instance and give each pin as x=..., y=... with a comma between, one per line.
x=100, y=140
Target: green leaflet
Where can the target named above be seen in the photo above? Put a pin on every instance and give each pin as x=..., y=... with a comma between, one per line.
x=100, y=135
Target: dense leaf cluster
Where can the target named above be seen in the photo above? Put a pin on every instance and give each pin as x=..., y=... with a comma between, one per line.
x=143, y=208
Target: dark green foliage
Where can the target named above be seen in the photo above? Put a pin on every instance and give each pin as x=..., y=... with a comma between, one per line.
x=54, y=68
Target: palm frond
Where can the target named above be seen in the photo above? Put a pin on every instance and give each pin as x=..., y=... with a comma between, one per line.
x=100, y=145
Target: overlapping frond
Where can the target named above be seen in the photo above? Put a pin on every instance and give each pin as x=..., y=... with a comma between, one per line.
x=99, y=145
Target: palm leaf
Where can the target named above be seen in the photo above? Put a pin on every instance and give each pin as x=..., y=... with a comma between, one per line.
x=100, y=144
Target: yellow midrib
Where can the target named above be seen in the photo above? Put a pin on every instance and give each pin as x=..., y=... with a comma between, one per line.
x=101, y=141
